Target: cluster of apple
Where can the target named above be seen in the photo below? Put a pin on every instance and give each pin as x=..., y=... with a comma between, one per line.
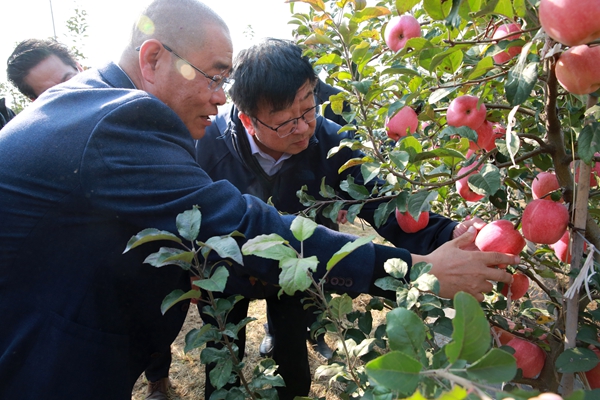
x=574, y=23
x=530, y=357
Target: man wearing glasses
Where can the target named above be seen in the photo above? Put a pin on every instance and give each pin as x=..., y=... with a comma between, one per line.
x=270, y=144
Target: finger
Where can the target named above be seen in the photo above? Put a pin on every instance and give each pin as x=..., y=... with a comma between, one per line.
x=499, y=275
x=466, y=238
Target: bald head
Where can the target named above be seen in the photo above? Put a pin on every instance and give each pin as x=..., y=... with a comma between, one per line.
x=181, y=24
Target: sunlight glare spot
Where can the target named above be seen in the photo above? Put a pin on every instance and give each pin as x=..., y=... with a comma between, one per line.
x=145, y=25
x=185, y=70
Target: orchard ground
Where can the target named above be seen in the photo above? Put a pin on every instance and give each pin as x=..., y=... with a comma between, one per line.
x=187, y=373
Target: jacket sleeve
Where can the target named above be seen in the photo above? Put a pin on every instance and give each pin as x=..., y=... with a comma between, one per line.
x=143, y=172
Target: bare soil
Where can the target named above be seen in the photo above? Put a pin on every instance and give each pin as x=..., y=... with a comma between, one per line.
x=187, y=373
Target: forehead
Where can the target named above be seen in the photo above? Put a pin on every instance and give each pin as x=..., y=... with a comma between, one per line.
x=216, y=53
x=49, y=72
x=304, y=95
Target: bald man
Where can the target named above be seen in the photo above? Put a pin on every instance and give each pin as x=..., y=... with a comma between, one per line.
x=111, y=152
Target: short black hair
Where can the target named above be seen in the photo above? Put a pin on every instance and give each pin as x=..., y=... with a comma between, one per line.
x=269, y=74
x=30, y=53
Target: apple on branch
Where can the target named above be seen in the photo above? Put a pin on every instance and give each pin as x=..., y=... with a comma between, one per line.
x=544, y=221
x=500, y=236
x=404, y=122
x=462, y=186
x=486, y=138
x=464, y=111
x=571, y=22
x=399, y=30
x=593, y=375
x=530, y=357
x=518, y=288
x=502, y=33
x=577, y=69
x=408, y=224
x=544, y=184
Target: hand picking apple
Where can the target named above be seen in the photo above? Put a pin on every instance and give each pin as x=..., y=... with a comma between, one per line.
x=451, y=264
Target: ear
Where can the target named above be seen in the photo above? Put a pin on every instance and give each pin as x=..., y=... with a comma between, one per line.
x=247, y=122
x=151, y=52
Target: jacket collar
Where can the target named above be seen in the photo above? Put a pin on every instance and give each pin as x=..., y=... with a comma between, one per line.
x=115, y=76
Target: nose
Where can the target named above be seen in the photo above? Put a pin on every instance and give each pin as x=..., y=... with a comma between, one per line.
x=302, y=126
x=219, y=98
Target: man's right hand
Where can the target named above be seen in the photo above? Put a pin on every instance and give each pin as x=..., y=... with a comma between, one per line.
x=469, y=271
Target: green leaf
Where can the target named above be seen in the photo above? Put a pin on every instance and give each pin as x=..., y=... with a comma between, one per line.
x=217, y=281
x=440, y=94
x=150, y=235
x=438, y=10
x=330, y=59
x=427, y=283
x=400, y=159
x=369, y=171
x=175, y=297
x=357, y=192
x=226, y=247
x=188, y=223
x=439, y=152
x=197, y=338
x=317, y=38
x=521, y=78
x=421, y=201
x=294, y=274
x=383, y=212
x=368, y=13
x=453, y=18
x=326, y=190
x=496, y=366
x=395, y=370
x=220, y=374
x=520, y=8
x=340, y=306
x=487, y=181
x=396, y=267
x=482, y=67
x=261, y=243
x=303, y=228
x=388, y=283
x=404, y=6
x=406, y=332
x=170, y=256
x=471, y=337
x=347, y=249
x=589, y=142
x=577, y=359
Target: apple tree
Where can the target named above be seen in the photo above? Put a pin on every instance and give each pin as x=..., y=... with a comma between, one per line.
x=488, y=106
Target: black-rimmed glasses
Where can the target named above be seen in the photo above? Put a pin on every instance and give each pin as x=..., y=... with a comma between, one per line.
x=215, y=83
x=290, y=126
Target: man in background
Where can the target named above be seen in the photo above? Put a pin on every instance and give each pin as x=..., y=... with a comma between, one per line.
x=271, y=143
x=6, y=114
x=36, y=65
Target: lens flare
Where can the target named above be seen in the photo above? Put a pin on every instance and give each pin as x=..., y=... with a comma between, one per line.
x=185, y=70
x=145, y=25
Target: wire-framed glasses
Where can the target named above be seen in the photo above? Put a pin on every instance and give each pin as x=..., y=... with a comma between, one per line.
x=290, y=126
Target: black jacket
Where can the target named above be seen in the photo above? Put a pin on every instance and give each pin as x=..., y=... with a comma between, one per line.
x=6, y=114
x=224, y=153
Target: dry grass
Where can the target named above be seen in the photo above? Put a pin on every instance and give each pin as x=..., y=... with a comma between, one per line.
x=187, y=374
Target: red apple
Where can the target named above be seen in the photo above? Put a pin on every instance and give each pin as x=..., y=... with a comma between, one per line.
x=408, y=224
x=570, y=22
x=463, y=111
x=499, y=130
x=593, y=173
x=399, y=30
x=543, y=184
x=462, y=186
x=500, y=236
x=544, y=221
x=593, y=375
x=518, y=288
x=503, y=336
x=561, y=248
x=577, y=69
x=501, y=33
x=530, y=357
x=485, y=138
x=404, y=122
x=547, y=396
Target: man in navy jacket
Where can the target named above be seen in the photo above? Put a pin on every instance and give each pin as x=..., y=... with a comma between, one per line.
x=111, y=152
x=270, y=144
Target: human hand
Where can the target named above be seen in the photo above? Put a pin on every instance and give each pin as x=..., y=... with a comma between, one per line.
x=462, y=228
x=458, y=269
x=341, y=217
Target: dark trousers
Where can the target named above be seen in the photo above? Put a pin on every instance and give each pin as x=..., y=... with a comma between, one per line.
x=159, y=368
x=289, y=332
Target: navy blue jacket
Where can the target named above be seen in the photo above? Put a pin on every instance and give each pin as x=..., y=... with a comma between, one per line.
x=89, y=164
x=224, y=153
